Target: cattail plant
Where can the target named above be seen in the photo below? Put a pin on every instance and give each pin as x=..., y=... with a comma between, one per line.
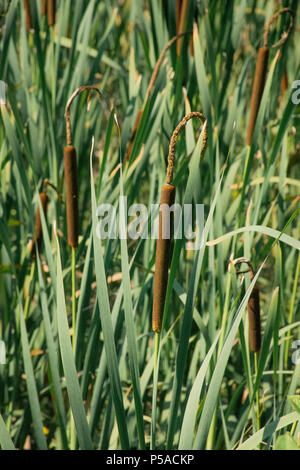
x=262, y=67
x=51, y=11
x=254, y=324
x=28, y=19
x=149, y=91
x=71, y=185
x=163, y=246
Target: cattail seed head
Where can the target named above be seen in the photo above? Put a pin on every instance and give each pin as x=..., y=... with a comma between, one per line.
x=51, y=11
x=284, y=84
x=162, y=259
x=258, y=88
x=254, y=320
x=262, y=67
x=181, y=16
x=38, y=232
x=44, y=7
x=28, y=19
x=70, y=172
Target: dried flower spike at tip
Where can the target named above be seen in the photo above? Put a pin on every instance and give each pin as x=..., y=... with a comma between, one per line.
x=149, y=91
x=162, y=259
x=174, y=138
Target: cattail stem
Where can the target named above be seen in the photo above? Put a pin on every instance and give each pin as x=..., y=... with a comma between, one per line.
x=149, y=91
x=155, y=383
x=163, y=246
x=257, y=392
x=51, y=11
x=262, y=68
x=28, y=19
x=68, y=107
x=73, y=270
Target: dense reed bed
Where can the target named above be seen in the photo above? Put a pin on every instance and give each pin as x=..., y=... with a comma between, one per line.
x=83, y=369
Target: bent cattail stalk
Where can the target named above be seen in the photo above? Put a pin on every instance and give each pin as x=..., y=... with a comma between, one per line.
x=253, y=310
x=27, y=15
x=70, y=172
x=163, y=246
x=38, y=232
x=149, y=91
x=51, y=11
x=261, y=70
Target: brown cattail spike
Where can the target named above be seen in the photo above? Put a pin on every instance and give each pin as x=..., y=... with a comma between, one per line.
x=51, y=11
x=253, y=309
x=38, y=232
x=261, y=70
x=44, y=7
x=174, y=138
x=258, y=88
x=181, y=23
x=284, y=84
x=27, y=15
x=254, y=320
x=162, y=258
x=163, y=247
x=70, y=172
